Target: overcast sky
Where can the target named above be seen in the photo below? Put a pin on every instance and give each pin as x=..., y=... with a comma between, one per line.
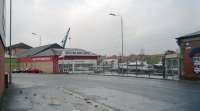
x=151, y=25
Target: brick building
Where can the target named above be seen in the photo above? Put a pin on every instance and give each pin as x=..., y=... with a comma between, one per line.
x=190, y=55
x=42, y=58
x=16, y=48
x=2, y=45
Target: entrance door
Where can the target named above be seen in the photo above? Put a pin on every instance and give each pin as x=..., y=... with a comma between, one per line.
x=67, y=68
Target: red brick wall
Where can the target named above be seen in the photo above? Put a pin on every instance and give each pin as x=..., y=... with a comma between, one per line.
x=187, y=61
x=17, y=50
x=2, y=85
x=55, y=64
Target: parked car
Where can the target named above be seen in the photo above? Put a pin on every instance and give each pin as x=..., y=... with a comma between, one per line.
x=16, y=71
x=33, y=70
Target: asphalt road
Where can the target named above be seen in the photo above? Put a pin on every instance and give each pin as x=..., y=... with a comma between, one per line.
x=116, y=93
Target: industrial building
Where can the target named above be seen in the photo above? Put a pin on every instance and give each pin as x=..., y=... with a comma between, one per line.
x=171, y=63
x=42, y=58
x=190, y=55
x=73, y=60
x=2, y=46
x=55, y=59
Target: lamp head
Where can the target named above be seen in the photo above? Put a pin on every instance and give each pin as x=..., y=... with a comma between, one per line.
x=34, y=33
x=112, y=14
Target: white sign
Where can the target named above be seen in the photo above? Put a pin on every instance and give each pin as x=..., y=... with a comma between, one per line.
x=196, y=63
x=41, y=59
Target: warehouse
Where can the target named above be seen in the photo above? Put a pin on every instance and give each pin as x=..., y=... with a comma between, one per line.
x=54, y=59
x=190, y=55
x=42, y=58
x=73, y=60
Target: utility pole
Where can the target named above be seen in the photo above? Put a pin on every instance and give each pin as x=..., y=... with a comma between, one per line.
x=10, y=49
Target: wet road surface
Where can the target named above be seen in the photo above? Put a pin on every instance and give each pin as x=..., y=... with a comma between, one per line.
x=33, y=92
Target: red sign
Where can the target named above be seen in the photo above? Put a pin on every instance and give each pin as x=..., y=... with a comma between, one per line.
x=35, y=59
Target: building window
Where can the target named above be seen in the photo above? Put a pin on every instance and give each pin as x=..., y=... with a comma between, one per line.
x=83, y=67
x=66, y=67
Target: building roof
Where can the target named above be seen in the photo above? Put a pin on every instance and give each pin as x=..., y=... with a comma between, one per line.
x=137, y=63
x=37, y=50
x=191, y=35
x=168, y=52
x=48, y=52
x=65, y=52
x=19, y=45
x=54, y=49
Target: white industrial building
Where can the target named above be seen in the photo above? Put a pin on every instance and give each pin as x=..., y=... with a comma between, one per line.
x=73, y=60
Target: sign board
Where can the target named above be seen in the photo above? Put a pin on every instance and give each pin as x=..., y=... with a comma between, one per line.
x=195, y=57
x=35, y=59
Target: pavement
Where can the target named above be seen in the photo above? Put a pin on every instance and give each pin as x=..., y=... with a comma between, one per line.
x=44, y=92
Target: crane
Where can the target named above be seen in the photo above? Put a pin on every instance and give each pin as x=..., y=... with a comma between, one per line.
x=64, y=41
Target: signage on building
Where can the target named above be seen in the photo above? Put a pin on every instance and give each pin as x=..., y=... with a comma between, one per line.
x=35, y=59
x=76, y=61
x=41, y=59
x=195, y=56
x=196, y=63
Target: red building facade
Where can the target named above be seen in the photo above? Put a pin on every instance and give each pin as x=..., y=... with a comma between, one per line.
x=190, y=55
x=47, y=64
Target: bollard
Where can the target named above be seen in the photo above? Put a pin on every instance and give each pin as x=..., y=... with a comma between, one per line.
x=6, y=80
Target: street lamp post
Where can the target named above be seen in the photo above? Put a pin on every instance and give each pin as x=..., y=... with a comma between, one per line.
x=122, y=36
x=39, y=37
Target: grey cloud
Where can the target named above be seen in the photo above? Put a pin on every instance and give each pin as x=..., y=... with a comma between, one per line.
x=148, y=24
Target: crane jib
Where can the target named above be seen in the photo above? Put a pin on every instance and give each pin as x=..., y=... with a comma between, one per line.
x=65, y=39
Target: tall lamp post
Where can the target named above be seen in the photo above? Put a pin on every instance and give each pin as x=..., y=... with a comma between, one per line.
x=39, y=37
x=122, y=35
